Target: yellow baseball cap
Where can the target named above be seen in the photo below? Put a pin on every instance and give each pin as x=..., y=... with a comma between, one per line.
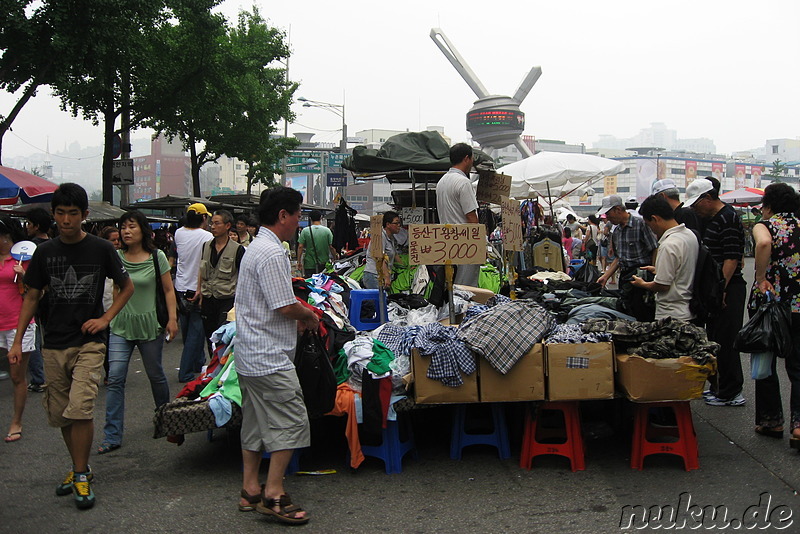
x=198, y=208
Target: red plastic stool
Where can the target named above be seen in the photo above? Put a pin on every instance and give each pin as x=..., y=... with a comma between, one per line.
x=566, y=441
x=648, y=439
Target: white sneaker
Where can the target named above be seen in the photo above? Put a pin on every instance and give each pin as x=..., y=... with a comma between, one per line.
x=738, y=400
x=4, y=375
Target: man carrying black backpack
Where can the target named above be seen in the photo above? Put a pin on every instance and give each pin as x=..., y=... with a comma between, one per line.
x=724, y=237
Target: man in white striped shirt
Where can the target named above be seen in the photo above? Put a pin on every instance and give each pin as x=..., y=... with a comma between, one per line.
x=268, y=317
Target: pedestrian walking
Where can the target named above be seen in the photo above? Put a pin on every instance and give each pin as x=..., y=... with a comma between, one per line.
x=137, y=326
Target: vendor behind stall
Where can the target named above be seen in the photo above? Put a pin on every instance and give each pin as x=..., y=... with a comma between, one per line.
x=634, y=245
x=391, y=227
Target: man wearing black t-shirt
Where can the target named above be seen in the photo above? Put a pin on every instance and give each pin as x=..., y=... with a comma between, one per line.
x=724, y=237
x=73, y=267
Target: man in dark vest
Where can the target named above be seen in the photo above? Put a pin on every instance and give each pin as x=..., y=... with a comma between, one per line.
x=218, y=273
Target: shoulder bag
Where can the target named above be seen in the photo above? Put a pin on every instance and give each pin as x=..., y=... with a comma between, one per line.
x=161, y=300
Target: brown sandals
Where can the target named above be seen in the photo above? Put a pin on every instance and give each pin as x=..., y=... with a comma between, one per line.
x=288, y=512
x=252, y=501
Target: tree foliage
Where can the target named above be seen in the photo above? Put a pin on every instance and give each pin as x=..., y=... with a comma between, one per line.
x=236, y=92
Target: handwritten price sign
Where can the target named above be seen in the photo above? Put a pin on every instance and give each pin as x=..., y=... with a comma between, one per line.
x=435, y=244
x=492, y=187
x=413, y=216
x=512, y=224
x=376, y=236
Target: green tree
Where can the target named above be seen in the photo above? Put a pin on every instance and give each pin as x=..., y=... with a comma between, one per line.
x=778, y=171
x=29, y=58
x=238, y=91
x=260, y=97
x=105, y=42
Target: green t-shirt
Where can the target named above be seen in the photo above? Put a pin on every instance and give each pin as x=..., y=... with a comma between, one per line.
x=137, y=320
x=318, y=251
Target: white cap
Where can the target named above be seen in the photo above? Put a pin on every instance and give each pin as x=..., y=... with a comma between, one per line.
x=659, y=186
x=696, y=189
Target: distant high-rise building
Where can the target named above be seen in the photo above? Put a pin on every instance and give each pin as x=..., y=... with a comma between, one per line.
x=657, y=135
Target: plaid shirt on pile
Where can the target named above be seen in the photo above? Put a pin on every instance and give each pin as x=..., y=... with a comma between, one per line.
x=506, y=332
x=634, y=243
x=449, y=356
x=399, y=339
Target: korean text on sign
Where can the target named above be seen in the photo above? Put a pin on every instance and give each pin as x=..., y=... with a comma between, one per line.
x=512, y=224
x=436, y=244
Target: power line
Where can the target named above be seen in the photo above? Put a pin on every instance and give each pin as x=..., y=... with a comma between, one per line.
x=56, y=155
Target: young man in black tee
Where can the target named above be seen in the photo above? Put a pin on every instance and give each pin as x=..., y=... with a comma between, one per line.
x=73, y=267
x=724, y=236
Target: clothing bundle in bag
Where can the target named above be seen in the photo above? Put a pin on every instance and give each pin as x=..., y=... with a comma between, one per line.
x=315, y=373
x=768, y=330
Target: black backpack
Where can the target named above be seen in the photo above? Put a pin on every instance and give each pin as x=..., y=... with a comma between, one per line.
x=709, y=285
x=316, y=376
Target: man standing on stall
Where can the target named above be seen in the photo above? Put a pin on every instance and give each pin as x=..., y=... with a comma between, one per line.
x=268, y=318
x=456, y=203
x=724, y=237
x=634, y=246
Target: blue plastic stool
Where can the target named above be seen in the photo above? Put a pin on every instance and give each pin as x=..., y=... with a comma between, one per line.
x=294, y=463
x=391, y=450
x=357, y=299
x=498, y=438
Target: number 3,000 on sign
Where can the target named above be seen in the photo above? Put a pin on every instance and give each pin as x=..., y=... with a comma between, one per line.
x=436, y=244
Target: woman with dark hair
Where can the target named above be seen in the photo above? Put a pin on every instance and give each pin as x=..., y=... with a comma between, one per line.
x=137, y=324
x=11, y=273
x=591, y=239
x=777, y=247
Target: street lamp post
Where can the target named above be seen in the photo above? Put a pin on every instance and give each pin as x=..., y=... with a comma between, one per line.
x=338, y=109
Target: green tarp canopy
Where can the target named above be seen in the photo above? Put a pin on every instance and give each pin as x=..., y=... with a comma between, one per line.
x=415, y=151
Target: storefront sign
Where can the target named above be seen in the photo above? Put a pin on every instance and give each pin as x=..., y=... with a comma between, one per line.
x=739, y=176
x=512, y=224
x=436, y=244
x=716, y=170
x=376, y=236
x=492, y=187
x=756, y=172
x=610, y=185
x=690, y=169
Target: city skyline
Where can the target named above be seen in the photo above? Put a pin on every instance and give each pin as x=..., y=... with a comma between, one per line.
x=605, y=71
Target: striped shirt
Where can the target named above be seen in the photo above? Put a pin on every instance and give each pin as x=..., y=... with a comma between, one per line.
x=724, y=237
x=634, y=243
x=265, y=338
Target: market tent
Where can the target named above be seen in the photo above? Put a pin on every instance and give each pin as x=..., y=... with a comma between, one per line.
x=561, y=172
x=746, y=195
x=16, y=185
x=99, y=211
x=426, y=154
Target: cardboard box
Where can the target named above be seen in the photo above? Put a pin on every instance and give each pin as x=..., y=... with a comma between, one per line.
x=481, y=295
x=652, y=380
x=524, y=382
x=427, y=391
x=578, y=371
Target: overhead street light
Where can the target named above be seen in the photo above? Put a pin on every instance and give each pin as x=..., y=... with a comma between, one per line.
x=338, y=109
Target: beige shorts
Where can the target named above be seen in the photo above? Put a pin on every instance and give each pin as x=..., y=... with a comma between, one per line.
x=274, y=416
x=73, y=380
x=28, y=338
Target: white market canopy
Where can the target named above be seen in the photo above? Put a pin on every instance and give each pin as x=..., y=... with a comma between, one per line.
x=562, y=172
x=746, y=195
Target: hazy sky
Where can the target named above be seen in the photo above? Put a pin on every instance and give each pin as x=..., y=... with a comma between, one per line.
x=706, y=68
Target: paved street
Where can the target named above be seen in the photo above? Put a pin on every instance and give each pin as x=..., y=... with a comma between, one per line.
x=153, y=486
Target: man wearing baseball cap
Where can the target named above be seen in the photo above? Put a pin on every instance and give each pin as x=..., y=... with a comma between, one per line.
x=724, y=237
x=189, y=240
x=683, y=215
x=634, y=245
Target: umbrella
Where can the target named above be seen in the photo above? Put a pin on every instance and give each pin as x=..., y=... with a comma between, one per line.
x=746, y=195
x=553, y=173
x=19, y=185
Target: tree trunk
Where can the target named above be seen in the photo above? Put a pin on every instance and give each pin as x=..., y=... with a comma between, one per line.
x=250, y=173
x=195, y=164
x=5, y=124
x=108, y=150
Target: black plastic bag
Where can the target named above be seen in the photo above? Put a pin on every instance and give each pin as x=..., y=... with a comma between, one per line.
x=768, y=330
x=315, y=373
